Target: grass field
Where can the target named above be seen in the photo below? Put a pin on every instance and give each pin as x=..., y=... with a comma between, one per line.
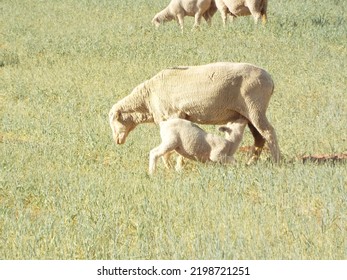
x=66, y=190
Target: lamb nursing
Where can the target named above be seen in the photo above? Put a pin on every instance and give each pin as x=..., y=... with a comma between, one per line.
x=190, y=141
x=215, y=93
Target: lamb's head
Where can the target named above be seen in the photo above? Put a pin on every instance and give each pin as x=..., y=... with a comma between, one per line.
x=121, y=124
x=234, y=130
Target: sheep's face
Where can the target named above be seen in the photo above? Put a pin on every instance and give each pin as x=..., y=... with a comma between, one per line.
x=120, y=127
x=156, y=21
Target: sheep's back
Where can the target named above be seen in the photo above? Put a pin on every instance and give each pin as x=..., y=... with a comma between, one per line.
x=209, y=93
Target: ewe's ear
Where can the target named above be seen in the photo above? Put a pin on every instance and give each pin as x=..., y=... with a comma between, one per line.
x=117, y=115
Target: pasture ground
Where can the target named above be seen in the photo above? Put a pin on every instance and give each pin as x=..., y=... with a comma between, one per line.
x=67, y=192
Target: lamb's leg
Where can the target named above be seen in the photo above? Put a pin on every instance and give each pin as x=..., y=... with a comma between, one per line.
x=266, y=130
x=230, y=160
x=155, y=153
x=167, y=159
x=179, y=163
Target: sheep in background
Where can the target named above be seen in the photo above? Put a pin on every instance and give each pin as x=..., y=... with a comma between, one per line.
x=178, y=9
x=190, y=141
x=256, y=8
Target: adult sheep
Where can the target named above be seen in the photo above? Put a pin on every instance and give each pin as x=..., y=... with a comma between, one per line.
x=256, y=8
x=178, y=9
x=214, y=93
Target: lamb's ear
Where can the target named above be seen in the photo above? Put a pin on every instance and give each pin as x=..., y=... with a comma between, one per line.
x=224, y=129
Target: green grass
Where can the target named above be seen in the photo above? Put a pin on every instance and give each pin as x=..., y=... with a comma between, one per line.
x=67, y=192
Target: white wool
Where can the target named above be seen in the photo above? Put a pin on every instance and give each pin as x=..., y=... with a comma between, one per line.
x=192, y=142
x=256, y=8
x=215, y=93
x=178, y=9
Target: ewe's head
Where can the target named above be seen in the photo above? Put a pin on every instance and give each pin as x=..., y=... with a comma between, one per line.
x=156, y=21
x=162, y=17
x=121, y=124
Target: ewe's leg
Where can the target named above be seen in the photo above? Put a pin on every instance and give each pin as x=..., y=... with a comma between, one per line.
x=208, y=18
x=259, y=142
x=256, y=17
x=263, y=12
x=223, y=9
x=224, y=15
x=197, y=20
x=261, y=123
x=263, y=18
x=210, y=13
x=180, y=20
x=255, y=13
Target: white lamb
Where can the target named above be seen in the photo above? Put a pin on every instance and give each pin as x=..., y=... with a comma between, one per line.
x=178, y=9
x=190, y=141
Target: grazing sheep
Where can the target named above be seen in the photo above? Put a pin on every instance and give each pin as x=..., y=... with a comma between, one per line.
x=178, y=9
x=192, y=142
x=256, y=8
x=214, y=93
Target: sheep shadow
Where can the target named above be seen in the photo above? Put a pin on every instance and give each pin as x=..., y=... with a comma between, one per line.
x=325, y=158
x=305, y=159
